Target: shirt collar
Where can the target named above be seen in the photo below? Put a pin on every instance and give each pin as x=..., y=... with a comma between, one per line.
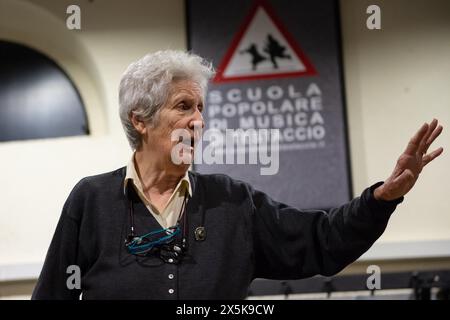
x=131, y=174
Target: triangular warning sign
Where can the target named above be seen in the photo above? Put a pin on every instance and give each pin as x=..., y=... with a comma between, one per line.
x=263, y=49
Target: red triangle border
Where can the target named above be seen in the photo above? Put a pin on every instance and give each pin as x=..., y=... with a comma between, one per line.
x=310, y=70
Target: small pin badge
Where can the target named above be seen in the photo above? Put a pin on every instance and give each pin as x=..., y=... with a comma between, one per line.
x=200, y=234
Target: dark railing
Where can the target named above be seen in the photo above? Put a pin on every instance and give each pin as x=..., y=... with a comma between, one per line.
x=421, y=285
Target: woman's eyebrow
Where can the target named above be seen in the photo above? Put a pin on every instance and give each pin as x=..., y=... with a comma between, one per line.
x=182, y=97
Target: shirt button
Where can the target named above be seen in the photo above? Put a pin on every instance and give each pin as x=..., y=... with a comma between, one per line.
x=171, y=291
x=171, y=276
x=170, y=260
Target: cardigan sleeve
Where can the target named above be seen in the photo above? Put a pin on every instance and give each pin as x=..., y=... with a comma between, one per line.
x=294, y=244
x=62, y=253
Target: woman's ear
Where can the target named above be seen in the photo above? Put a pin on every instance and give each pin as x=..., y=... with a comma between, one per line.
x=138, y=124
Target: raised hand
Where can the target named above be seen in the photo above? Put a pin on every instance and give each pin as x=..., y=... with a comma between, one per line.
x=410, y=163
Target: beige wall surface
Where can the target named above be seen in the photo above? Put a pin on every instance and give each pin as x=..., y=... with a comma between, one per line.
x=396, y=78
x=39, y=174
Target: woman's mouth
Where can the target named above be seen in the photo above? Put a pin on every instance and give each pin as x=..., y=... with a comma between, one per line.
x=188, y=142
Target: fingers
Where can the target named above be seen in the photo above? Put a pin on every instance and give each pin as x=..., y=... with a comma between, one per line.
x=431, y=127
x=432, y=137
x=431, y=156
x=415, y=141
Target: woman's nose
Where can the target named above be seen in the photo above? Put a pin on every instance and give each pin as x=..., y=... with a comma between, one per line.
x=197, y=120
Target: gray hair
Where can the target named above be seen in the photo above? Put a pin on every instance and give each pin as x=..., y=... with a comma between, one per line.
x=145, y=85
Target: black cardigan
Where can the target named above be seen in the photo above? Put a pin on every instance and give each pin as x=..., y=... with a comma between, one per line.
x=249, y=236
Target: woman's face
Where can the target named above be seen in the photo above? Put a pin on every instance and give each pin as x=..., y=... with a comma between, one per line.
x=182, y=110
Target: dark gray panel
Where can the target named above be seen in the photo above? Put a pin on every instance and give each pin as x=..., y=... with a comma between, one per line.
x=308, y=177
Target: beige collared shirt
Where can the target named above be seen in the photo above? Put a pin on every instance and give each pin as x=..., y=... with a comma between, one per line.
x=170, y=214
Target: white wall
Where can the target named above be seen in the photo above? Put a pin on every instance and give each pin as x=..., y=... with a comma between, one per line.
x=396, y=78
x=37, y=175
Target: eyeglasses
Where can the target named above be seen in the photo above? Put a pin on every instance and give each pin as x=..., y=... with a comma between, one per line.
x=162, y=243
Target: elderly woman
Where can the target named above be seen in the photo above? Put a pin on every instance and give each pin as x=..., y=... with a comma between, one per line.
x=154, y=230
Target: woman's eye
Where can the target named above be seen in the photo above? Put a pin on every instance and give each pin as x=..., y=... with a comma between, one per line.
x=183, y=106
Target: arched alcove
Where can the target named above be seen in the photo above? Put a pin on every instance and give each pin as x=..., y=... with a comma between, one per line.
x=30, y=25
x=37, y=98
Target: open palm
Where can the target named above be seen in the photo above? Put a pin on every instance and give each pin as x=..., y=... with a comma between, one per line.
x=410, y=163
